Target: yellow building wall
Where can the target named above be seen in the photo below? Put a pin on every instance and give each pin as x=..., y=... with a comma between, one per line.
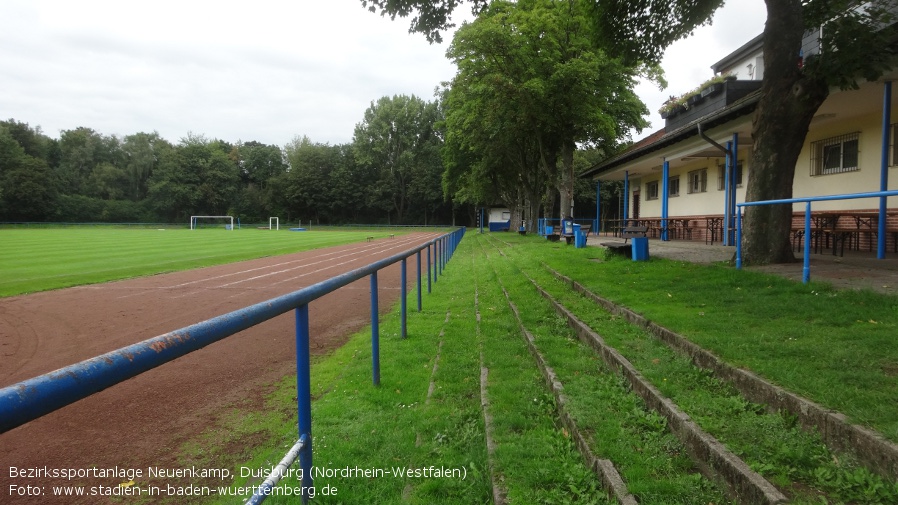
x=709, y=202
x=865, y=179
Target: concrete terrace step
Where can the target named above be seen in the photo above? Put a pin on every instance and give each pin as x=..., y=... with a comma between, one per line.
x=878, y=454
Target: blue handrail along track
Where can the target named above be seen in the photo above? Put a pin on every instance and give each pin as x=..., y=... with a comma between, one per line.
x=38, y=396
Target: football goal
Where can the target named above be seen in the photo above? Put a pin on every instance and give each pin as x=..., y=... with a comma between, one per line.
x=195, y=221
x=274, y=223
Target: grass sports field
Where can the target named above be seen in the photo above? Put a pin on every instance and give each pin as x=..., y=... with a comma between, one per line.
x=40, y=259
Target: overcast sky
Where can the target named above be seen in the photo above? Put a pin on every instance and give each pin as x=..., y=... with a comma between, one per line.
x=266, y=70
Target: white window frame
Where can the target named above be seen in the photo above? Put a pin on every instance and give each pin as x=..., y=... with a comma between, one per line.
x=824, y=153
x=673, y=186
x=722, y=173
x=698, y=181
x=651, y=190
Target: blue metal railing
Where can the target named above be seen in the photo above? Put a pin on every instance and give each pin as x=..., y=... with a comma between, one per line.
x=806, y=270
x=33, y=398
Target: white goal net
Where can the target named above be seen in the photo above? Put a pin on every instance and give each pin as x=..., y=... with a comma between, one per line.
x=195, y=221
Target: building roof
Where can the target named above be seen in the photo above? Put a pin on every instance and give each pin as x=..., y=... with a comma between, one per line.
x=748, y=48
x=662, y=138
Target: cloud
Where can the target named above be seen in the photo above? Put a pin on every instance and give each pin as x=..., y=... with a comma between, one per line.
x=267, y=70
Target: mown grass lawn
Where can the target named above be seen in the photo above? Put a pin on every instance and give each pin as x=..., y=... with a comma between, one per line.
x=41, y=259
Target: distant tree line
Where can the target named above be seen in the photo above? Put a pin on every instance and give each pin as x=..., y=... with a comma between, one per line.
x=391, y=174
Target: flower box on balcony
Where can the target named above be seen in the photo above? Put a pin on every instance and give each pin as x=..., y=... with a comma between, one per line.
x=716, y=96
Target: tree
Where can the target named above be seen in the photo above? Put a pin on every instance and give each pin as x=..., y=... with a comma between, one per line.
x=259, y=165
x=431, y=16
x=142, y=152
x=196, y=177
x=28, y=188
x=397, y=139
x=531, y=86
x=81, y=150
x=308, y=189
x=855, y=46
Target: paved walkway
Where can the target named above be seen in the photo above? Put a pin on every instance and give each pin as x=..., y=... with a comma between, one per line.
x=856, y=270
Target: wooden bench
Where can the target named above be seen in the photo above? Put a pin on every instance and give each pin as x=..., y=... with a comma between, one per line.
x=626, y=234
x=369, y=239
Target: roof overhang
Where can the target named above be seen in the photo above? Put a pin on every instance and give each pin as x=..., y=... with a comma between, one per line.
x=680, y=145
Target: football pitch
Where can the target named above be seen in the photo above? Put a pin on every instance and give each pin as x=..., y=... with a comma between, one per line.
x=34, y=260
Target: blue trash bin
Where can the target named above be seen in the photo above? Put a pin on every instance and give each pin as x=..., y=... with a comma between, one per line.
x=640, y=247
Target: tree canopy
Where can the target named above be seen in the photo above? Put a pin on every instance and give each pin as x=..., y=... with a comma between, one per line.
x=397, y=140
x=85, y=176
x=531, y=87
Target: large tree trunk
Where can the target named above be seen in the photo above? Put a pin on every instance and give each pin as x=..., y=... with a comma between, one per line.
x=533, y=201
x=789, y=100
x=566, y=181
x=549, y=202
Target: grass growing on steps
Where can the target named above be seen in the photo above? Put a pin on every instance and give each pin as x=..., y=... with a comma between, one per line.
x=834, y=347
x=536, y=459
x=650, y=459
x=796, y=461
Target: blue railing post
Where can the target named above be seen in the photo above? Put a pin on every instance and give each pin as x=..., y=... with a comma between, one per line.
x=437, y=260
x=739, y=238
x=403, y=304
x=419, y=279
x=806, y=269
x=375, y=333
x=304, y=396
x=428, y=268
x=806, y=274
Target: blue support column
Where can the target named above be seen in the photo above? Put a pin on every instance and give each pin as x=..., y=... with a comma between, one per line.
x=626, y=197
x=665, y=198
x=728, y=199
x=304, y=396
x=732, y=188
x=884, y=170
x=403, y=304
x=375, y=333
x=595, y=227
x=419, y=279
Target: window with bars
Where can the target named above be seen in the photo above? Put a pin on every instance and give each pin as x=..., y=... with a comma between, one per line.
x=651, y=190
x=673, y=186
x=698, y=181
x=835, y=155
x=722, y=173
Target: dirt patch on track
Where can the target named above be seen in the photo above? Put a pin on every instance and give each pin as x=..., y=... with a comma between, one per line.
x=142, y=421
